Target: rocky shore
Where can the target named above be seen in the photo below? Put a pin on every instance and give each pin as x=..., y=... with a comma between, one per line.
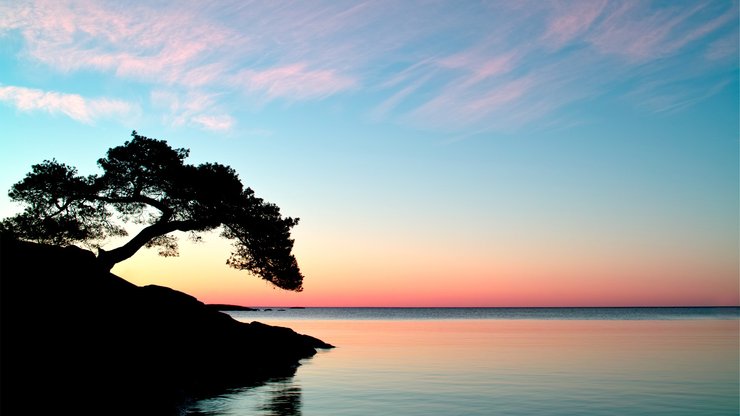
x=76, y=340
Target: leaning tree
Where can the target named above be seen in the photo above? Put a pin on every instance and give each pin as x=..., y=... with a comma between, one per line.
x=147, y=182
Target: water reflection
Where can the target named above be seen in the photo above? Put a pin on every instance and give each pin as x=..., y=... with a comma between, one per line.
x=277, y=397
x=510, y=367
x=284, y=399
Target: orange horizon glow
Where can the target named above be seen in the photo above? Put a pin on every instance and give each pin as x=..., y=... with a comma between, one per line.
x=554, y=282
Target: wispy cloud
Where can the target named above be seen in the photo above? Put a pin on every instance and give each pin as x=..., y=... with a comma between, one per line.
x=220, y=122
x=637, y=32
x=585, y=50
x=294, y=82
x=134, y=41
x=666, y=97
x=571, y=20
x=471, y=65
x=387, y=106
x=723, y=48
x=479, y=66
x=192, y=108
x=464, y=105
x=76, y=107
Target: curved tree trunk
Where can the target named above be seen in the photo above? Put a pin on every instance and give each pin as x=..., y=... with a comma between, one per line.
x=108, y=259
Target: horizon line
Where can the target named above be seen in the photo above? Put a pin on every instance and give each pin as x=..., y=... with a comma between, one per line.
x=486, y=307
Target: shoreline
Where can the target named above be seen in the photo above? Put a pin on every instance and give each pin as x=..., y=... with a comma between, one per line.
x=125, y=349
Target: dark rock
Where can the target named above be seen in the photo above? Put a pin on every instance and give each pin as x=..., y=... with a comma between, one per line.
x=79, y=340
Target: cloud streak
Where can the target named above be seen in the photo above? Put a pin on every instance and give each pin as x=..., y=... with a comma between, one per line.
x=295, y=82
x=634, y=31
x=481, y=66
x=585, y=50
x=220, y=122
x=571, y=20
x=194, y=108
x=74, y=106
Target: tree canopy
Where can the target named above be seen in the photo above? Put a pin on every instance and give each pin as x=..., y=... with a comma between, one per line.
x=147, y=182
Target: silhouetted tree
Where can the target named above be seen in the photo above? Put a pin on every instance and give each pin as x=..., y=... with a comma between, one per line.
x=146, y=182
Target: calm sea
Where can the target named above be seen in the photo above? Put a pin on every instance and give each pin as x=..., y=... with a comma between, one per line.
x=502, y=361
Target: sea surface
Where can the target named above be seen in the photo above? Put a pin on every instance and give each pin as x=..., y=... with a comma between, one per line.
x=501, y=361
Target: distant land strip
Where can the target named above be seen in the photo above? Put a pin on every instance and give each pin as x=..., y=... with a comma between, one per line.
x=225, y=307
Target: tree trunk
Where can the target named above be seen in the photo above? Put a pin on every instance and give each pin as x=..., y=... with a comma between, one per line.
x=108, y=259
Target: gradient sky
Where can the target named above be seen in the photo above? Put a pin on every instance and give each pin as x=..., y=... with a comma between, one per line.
x=438, y=153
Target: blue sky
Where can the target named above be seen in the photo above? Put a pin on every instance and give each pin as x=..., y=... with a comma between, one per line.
x=417, y=138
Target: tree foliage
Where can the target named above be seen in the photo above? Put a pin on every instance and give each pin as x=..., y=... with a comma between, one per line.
x=147, y=182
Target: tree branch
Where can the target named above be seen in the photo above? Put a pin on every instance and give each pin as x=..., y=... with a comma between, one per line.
x=109, y=258
x=163, y=208
x=63, y=208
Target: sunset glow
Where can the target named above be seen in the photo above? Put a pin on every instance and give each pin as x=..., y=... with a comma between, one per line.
x=437, y=154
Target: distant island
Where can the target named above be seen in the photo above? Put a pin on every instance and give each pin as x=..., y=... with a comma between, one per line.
x=225, y=307
x=234, y=308
x=78, y=339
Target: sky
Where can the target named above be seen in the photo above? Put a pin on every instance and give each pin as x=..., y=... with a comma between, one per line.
x=437, y=153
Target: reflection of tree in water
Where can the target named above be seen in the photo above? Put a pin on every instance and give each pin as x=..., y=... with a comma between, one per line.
x=277, y=397
x=284, y=399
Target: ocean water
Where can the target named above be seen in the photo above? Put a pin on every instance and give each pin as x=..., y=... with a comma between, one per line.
x=502, y=361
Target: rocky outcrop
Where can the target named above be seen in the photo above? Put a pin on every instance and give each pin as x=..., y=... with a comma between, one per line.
x=79, y=340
